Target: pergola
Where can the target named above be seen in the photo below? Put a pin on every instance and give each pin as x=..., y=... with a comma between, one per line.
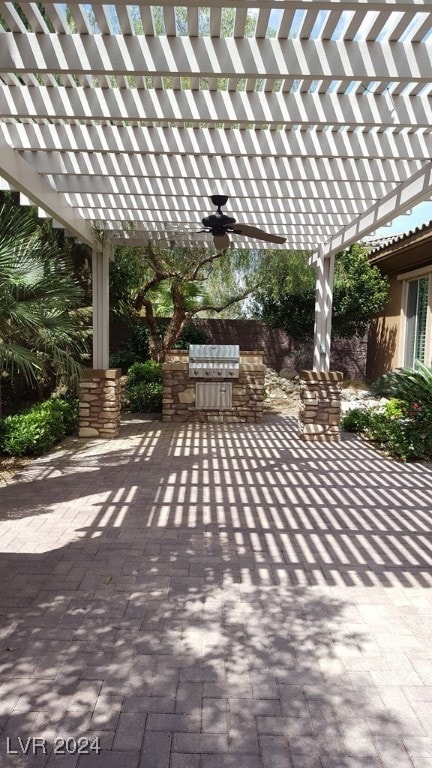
x=314, y=116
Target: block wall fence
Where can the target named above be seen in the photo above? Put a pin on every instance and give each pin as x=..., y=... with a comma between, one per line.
x=278, y=349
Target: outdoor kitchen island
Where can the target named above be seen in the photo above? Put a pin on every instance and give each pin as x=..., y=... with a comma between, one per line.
x=213, y=383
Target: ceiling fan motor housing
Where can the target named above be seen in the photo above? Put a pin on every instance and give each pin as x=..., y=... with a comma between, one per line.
x=219, y=200
x=218, y=222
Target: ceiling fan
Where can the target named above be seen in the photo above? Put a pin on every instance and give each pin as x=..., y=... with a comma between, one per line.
x=220, y=225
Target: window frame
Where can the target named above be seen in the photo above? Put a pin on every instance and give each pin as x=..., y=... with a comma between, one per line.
x=408, y=277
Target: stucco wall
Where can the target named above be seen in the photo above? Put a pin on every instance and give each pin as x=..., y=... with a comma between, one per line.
x=383, y=343
x=409, y=253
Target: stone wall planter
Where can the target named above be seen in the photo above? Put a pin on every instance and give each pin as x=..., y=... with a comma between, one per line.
x=99, y=402
x=320, y=405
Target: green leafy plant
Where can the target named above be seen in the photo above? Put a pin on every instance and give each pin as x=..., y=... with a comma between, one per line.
x=145, y=397
x=150, y=371
x=144, y=387
x=135, y=350
x=407, y=433
x=395, y=409
x=412, y=385
x=43, y=325
x=286, y=295
x=401, y=428
x=407, y=438
x=356, y=420
x=39, y=428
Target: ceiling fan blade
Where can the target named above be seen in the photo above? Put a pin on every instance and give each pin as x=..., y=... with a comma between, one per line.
x=255, y=232
x=221, y=242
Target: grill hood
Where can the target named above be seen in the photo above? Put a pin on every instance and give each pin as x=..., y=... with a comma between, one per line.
x=214, y=360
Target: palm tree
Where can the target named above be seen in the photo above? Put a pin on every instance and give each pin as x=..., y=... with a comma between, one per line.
x=42, y=321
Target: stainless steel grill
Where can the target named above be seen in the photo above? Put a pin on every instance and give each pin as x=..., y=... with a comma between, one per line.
x=214, y=360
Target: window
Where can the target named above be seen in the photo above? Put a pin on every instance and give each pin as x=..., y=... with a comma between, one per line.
x=416, y=316
x=417, y=320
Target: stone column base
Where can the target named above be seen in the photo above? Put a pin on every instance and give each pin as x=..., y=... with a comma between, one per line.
x=99, y=402
x=320, y=405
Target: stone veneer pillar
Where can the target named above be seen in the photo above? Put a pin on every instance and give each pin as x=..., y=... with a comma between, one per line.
x=320, y=405
x=99, y=402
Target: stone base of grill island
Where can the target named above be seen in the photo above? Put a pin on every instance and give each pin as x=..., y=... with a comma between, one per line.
x=179, y=401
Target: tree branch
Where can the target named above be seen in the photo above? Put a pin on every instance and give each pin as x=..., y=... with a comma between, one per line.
x=161, y=272
x=221, y=307
x=194, y=274
x=140, y=297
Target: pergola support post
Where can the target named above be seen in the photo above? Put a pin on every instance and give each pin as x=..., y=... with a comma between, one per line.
x=100, y=289
x=99, y=390
x=320, y=389
x=323, y=311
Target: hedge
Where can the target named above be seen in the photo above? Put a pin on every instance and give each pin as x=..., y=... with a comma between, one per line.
x=37, y=429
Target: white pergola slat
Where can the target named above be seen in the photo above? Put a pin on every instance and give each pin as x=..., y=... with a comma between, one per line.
x=195, y=107
x=134, y=140
x=278, y=169
x=314, y=116
x=222, y=57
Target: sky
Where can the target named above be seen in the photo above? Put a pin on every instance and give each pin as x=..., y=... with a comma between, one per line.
x=421, y=214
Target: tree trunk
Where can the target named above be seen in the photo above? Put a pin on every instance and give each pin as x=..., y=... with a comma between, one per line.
x=173, y=331
x=176, y=323
x=152, y=326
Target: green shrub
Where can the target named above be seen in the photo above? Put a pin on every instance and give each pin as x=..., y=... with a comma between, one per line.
x=407, y=438
x=395, y=409
x=191, y=334
x=412, y=385
x=144, y=387
x=405, y=426
x=144, y=372
x=37, y=429
x=356, y=420
x=402, y=431
x=145, y=397
x=136, y=349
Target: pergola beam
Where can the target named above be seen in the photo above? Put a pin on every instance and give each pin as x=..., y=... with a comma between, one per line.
x=214, y=107
x=308, y=189
x=414, y=190
x=139, y=140
x=141, y=238
x=166, y=213
x=22, y=177
x=223, y=57
x=175, y=165
x=405, y=6
x=329, y=211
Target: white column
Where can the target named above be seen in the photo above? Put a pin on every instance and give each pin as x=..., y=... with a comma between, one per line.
x=100, y=287
x=323, y=311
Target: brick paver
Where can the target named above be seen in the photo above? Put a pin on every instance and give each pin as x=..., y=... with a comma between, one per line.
x=211, y=596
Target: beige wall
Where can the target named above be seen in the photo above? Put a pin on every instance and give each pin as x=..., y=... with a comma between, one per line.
x=384, y=340
x=384, y=335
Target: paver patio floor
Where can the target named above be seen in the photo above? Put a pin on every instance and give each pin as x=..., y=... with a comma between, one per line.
x=209, y=596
